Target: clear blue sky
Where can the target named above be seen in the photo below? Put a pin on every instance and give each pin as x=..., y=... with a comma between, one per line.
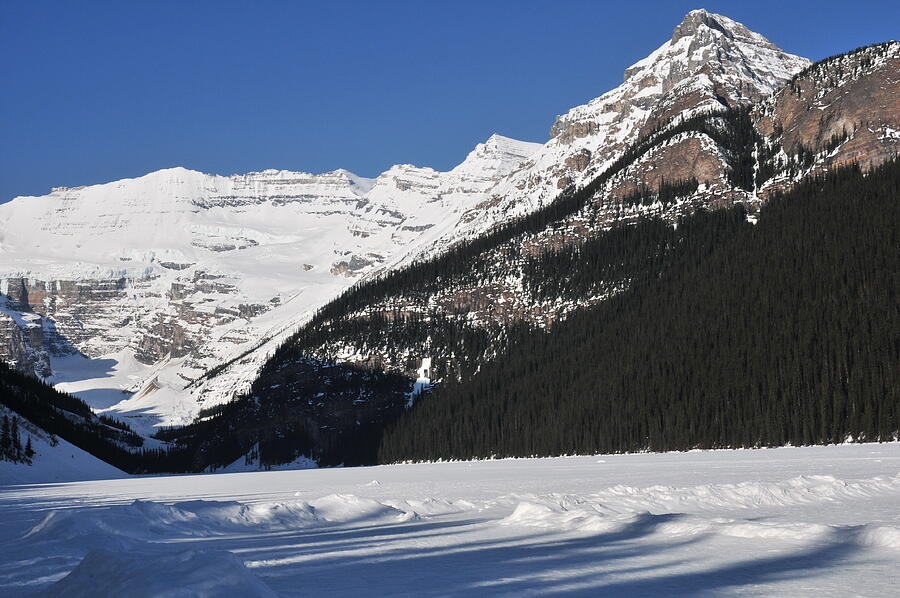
x=96, y=91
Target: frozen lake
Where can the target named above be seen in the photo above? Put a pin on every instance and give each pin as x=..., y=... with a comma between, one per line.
x=818, y=521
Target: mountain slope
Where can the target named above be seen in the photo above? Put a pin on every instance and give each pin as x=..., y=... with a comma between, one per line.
x=767, y=334
x=450, y=268
x=219, y=270
x=158, y=279
x=65, y=431
x=710, y=62
x=839, y=111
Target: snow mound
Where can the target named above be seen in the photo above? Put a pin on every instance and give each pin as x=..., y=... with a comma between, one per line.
x=691, y=526
x=558, y=517
x=204, y=517
x=71, y=527
x=879, y=536
x=187, y=574
x=795, y=491
x=128, y=526
x=125, y=526
x=349, y=507
x=592, y=519
x=674, y=511
x=432, y=506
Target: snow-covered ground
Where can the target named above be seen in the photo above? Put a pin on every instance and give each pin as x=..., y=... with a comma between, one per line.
x=819, y=521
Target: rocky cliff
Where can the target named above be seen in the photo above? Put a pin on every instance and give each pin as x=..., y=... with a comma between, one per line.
x=842, y=110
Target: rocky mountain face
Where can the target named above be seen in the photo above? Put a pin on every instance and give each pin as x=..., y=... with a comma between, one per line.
x=709, y=63
x=842, y=110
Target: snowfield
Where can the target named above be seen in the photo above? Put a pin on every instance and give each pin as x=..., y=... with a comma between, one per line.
x=816, y=521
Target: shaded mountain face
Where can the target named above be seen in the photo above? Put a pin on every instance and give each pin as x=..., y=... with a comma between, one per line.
x=711, y=63
x=51, y=436
x=733, y=335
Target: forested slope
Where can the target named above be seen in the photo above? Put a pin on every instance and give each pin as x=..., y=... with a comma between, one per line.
x=781, y=332
x=70, y=418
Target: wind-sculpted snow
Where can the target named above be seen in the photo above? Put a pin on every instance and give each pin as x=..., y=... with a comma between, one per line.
x=817, y=521
x=128, y=546
x=620, y=506
x=153, y=521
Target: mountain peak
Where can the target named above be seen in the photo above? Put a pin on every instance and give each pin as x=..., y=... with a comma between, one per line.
x=501, y=143
x=495, y=158
x=701, y=23
x=695, y=20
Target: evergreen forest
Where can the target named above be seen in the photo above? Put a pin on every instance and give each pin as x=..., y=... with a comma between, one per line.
x=782, y=332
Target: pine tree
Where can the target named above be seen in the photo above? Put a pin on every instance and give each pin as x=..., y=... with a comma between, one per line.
x=5, y=440
x=29, y=450
x=16, y=448
x=797, y=345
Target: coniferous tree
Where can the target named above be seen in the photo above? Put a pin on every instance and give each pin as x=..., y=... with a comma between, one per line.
x=16, y=440
x=6, y=440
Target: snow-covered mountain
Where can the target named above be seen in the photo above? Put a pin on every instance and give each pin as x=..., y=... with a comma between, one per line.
x=159, y=278
x=710, y=62
x=178, y=284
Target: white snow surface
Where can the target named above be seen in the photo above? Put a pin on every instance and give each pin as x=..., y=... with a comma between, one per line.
x=812, y=521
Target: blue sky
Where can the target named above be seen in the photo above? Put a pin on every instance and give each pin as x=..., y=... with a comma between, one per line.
x=97, y=91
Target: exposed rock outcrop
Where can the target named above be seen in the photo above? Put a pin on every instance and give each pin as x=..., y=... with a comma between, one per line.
x=843, y=110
